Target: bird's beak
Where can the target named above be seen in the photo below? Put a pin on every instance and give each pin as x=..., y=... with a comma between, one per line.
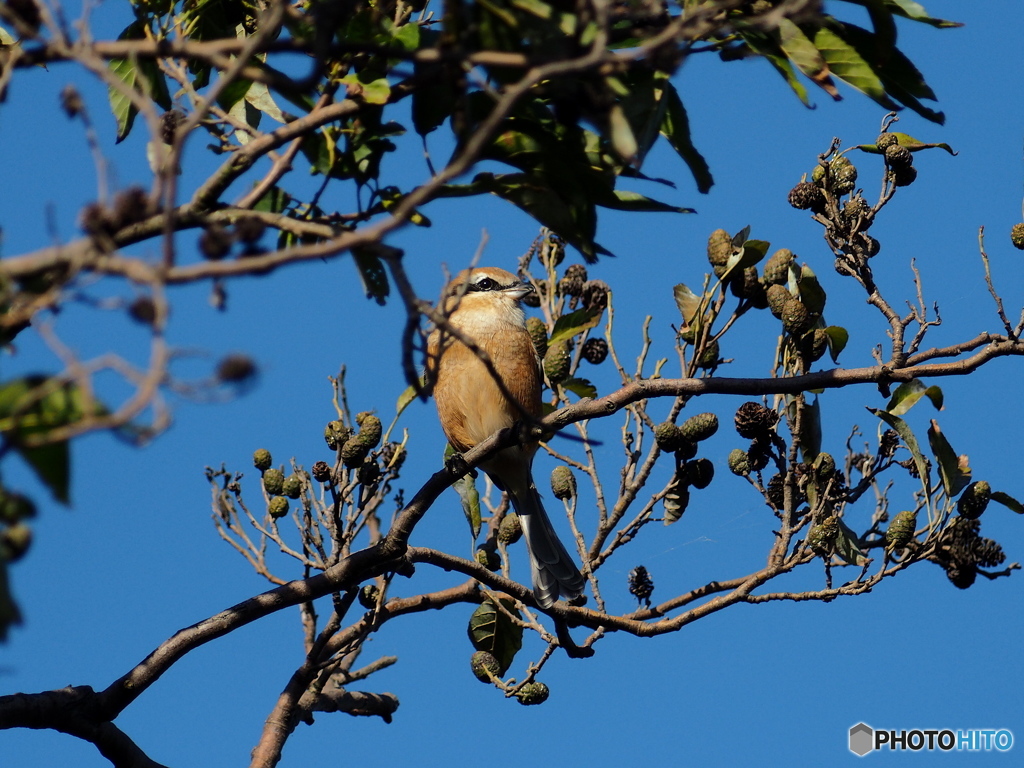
x=519, y=290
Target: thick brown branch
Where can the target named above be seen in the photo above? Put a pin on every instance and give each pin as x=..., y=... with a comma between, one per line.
x=76, y=712
x=830, y=379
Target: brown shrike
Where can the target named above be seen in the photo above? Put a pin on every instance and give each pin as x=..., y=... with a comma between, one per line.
x=483, y=305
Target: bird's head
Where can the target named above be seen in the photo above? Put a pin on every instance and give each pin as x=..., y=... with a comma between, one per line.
x=485, y=288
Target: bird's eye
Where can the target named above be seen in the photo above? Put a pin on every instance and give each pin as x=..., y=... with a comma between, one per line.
x=487, y=284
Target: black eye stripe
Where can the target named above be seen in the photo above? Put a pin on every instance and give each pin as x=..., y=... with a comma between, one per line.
x=486, y=284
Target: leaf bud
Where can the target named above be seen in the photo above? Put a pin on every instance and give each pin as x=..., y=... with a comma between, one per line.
x=488, y=559
x=484, y=666
x=533, y=693
x=974, y=500
x=900, y=531
x=1017, y=236
x=370, y=430
x=739, y=463
x=563, y=482
x=368, y=596
x=262, y=460
x=273, y=481
x=278, y=507
x=292, y=486
x=699, y=427
x=699, y=473
x=510, y=530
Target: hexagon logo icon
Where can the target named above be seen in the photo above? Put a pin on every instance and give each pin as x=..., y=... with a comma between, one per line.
x=861, y=739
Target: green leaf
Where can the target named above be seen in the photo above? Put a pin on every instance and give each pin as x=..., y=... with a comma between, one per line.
x=404, y=399
x=285, y=88
x=750, y=254
x=275, y=200
x=567, y=171
x=675, y=500
x=536, y=7
x=810, y=429
x=741, y=237
x=621, y=134
x=802, y=52
x=910, y=143
x=234, y=93
x=143, y=76
x=156, y=85
x=25, y=414
x=769, y=50
x=406, y=37
x=507, y=18
x=122, y=107
x=755, y=250
x=912, y=10
x=463, y=190
x=837, y=339
x=360, y=87
x=847, y=545
x=675, y=126
x=435, y=96
x=246, y=113
x=491, y=630
x=907, y=435
x=954, y=471
x=465, y=486
x=9, y=613
x=916, y=11
x=849, y=66
x=898, y=75
x=644, y=106
x=390, y=197
x=434, y=100
x=884, y=25
x=6, y=38
x=811, y=293
x=574, y=324
x=573, y=219
x=470, y=497
x=1008, y=501
x=623, y=200
x=213, y=19
x=373, y=274
x=580, y=387
x=52, y=464
x=260, y=97
x=909, y=392
x=687, y=301
x=914, y=145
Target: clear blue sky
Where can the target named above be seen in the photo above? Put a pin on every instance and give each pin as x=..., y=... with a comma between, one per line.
x=136, y=557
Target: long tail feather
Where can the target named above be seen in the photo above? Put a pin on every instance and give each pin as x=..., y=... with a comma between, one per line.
x=553, y=570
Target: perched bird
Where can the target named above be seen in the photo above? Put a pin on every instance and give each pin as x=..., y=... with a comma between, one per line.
x=483, y=305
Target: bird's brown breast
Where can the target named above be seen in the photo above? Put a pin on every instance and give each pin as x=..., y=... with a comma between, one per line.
x=470, y=403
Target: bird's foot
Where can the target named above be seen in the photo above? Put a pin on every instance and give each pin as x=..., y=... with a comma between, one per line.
x=458, y=466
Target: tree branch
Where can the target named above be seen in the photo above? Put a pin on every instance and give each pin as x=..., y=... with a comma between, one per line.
x=74, y=711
